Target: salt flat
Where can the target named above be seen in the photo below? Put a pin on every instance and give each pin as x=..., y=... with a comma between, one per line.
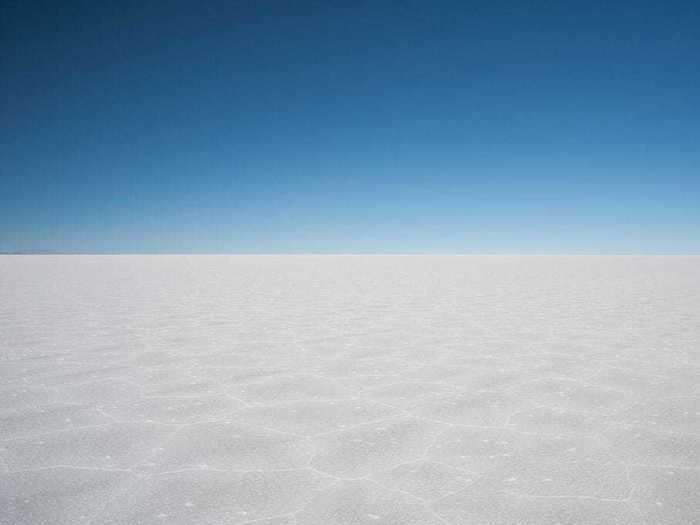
x=310, y=390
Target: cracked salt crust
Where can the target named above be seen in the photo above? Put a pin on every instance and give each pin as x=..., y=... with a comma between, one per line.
x=349, y=390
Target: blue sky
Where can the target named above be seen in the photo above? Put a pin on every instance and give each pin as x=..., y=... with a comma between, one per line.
x=363, y=127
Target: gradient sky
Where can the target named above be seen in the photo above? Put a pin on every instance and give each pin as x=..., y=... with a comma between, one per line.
x=393, y=127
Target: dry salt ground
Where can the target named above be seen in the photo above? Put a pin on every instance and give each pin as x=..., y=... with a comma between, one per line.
x=280, y=390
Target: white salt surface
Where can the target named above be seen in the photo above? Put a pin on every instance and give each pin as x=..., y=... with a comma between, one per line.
x=349, y=390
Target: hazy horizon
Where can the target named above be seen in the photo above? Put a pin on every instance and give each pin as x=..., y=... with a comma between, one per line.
x=354, y=254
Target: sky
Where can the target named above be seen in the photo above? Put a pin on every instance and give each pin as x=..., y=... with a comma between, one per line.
x=350, y=127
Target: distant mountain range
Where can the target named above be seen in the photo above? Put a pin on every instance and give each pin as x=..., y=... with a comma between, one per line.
x=28, y=252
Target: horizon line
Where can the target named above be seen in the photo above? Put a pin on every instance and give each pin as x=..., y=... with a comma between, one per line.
x=343, y=254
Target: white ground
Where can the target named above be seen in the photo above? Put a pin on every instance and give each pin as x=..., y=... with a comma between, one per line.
x=349, y=390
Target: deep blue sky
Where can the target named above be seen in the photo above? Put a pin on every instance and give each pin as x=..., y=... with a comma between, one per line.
x=453, y=127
